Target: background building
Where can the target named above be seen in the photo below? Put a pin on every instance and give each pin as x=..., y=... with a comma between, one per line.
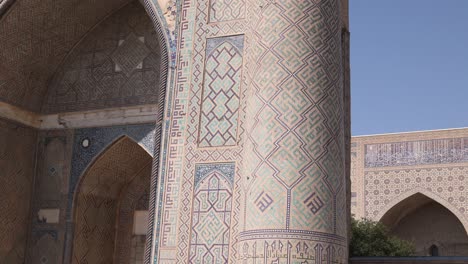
x=416, y=183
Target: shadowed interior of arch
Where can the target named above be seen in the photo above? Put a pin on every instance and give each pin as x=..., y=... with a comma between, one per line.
x=427, y=223
x=110, y=195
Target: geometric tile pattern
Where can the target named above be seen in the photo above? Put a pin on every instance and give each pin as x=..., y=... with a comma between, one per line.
x=225, y=10
x=295, y=129
x=388, y=169
x=35, y=37
x=447, y=186
x=211, y=213
x=310, y=122
x=130, y=54
x=116, y=64
x=100, y=139
x=130, y=199
x=221, y=91
x=176, y=187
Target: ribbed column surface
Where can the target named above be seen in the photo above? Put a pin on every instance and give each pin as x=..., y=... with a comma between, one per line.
x=294, y=156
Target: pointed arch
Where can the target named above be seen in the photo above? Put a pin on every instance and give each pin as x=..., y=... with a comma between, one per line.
x=97, y=199
x=98, y=156
x=416, y=198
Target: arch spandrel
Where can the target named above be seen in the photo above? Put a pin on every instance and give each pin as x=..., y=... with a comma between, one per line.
x=430, y=196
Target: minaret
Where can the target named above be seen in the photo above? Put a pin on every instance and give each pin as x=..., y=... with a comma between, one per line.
x=294, y=166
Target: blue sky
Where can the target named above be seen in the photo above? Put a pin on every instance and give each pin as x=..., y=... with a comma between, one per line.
x=409, y=65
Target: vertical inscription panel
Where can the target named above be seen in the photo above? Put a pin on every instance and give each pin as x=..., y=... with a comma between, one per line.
x=211, y=213
x=226, y=10
x=221, y=92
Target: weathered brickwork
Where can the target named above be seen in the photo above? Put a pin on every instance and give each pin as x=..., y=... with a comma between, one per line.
x=52, y=173
x=17, y=154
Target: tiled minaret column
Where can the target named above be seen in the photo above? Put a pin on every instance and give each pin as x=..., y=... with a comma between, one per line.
x=294, y=157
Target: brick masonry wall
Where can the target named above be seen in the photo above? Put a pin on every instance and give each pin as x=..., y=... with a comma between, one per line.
x=17, y=154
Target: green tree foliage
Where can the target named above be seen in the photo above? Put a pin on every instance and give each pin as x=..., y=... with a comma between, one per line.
x=373, y=239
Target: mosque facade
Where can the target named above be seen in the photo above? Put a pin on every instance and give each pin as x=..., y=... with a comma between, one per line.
x=186, y=131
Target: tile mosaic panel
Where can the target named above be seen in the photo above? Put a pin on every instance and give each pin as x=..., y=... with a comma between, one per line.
x=280, y=247
x=410, y=153
x=175, y=201
x=211, y=213
x=176, y=186
x=446, y=186
x=225, y=10
x=117, y=64
x=221, y=92
x=295, y=139
x=29, y=60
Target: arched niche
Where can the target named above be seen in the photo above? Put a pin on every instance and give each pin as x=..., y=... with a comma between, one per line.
x=432, y=227
x=108, y=188
x=411, y=200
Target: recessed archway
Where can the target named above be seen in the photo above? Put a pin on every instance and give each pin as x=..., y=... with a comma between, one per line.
x=106, y=199
x=411, y=200
x=432, y=227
